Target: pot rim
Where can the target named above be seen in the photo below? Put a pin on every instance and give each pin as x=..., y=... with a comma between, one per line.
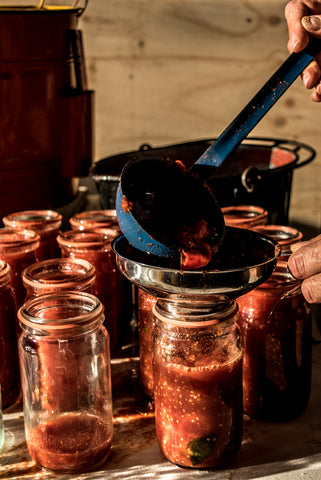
x=302, y=155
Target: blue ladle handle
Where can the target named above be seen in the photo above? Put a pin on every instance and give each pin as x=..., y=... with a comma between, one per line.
x=261, y=103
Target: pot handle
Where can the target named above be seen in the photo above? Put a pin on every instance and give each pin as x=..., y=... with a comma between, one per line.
x=252, y=176
x=79, y=59
x=81, y=10
x=304, y=153
x=308, y=154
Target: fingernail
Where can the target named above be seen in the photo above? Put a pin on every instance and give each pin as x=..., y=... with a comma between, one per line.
x=311, y=23
x=318, y=89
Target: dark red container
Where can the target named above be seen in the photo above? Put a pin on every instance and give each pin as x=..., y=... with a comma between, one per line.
x=45, y=117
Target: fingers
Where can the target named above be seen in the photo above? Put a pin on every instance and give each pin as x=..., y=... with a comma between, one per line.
x=311, y=289
x=305, y=263
x=306, y=260
x=304, y=19
x=298, y=37
x=312, y=24
x=316, y=96
x=312, y=74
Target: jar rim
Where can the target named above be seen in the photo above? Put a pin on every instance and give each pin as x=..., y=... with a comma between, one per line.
x=33, y=219
x=32, y=313
x=93, y=215
x=75, y=270
x=284, y=234
x=93, y=238
x=236, y=214
x=220, y=315
x=4, y=269
x=11, y=239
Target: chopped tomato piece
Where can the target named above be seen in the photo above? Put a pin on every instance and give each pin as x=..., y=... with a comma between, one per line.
x=193, y=260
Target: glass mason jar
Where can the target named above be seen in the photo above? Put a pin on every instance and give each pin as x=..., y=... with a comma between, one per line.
x=244, y=216
x=45, y=223
x=9, y=362
x=146, y=324
x=19, y=249
x=95, y=219
x=112, y=289
x=276, y=328
x=197, y=363
x=66, y=384
x=59, y=275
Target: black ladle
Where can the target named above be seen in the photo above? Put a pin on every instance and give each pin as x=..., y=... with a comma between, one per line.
x=155, y=198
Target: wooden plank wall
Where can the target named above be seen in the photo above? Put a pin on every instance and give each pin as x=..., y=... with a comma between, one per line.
x=168, y=71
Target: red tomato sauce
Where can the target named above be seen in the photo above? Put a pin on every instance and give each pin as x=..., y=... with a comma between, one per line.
x=198, y=412
x=71, y=442
x=276, y=354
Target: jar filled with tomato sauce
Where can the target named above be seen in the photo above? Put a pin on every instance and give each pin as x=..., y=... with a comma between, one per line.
x=66, y=383
x=46, y=223
x=18, y=248
x=276, y=327
x=112, y=289
x=9, y=362
x=58, y=275
x=197, y=382
x=244, y=216
x=146, y=323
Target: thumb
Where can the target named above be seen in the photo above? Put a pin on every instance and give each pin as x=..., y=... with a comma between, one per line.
x=312, y=24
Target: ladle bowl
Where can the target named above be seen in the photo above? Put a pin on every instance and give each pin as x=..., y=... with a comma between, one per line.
x=245, y=260
x=165, y=201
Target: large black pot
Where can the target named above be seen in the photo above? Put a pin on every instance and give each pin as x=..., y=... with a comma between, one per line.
x=259, y=172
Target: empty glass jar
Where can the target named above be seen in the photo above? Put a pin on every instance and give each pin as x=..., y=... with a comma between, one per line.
x=66, y=384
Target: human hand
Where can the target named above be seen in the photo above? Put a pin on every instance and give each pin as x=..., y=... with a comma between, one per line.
x=305, y=264
x=304, y=19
